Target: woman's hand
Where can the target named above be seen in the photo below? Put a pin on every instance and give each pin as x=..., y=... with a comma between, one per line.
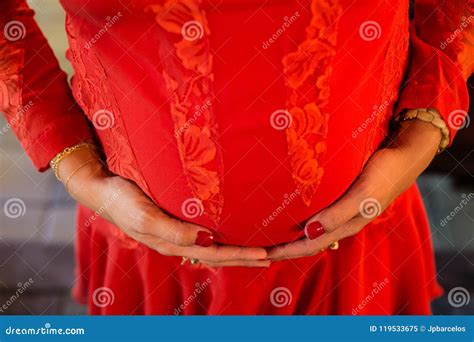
x=124, y=204
x=388, y=173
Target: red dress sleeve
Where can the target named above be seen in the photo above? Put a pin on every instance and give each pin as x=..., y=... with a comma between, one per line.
x=34, y=94
x=441, y=59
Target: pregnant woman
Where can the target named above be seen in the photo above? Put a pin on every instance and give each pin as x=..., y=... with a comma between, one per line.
x=244, y=156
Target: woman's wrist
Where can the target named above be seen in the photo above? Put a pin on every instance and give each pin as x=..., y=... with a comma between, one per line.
x=56, y=161
x=418, y=139
x=78, y=161
x=430, y=116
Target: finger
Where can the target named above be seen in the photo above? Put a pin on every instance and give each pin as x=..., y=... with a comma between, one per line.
x=307, y=247
x=350, y=228
x=238, y=263
x=367, y=196
x=224, y=253
x=214, y=253
x=300, y=248
x=342, y=211
x=177, y=232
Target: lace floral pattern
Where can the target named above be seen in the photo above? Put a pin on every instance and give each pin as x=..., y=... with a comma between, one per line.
x=187, y=72
x=92, y=92
x=465, y=45
x=392, y=74
x=307, y=72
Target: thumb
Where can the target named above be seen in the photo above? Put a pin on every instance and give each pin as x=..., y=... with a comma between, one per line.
x=181, y=233
x=358, y=201
x=364, y=197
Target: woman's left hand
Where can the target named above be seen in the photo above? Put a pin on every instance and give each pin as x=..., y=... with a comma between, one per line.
x=389, y=172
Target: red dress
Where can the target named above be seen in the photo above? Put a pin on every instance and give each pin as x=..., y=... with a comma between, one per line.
x=246, y=117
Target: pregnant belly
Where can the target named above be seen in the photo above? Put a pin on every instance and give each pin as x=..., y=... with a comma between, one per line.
x=258, y=203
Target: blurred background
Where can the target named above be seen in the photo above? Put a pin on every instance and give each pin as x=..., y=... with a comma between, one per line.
x=37, y=248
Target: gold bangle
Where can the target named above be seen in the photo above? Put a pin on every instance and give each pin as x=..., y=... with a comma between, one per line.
x=54, y=163
x=88, y=161
x=431, y=116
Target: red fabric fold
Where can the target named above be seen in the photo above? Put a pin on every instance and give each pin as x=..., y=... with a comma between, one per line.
x=433, y=81
x=36, y=98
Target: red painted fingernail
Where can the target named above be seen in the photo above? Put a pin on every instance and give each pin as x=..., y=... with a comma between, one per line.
x=314, y=230
x=204, y=239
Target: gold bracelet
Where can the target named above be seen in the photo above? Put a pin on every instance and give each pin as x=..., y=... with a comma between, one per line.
x=54, y=163
x=429, y=115
x=88, y=161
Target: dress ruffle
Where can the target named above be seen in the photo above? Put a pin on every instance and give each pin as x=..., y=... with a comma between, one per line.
x=385, y=269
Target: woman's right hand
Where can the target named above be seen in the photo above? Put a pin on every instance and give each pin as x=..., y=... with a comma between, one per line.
x=124, y=204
